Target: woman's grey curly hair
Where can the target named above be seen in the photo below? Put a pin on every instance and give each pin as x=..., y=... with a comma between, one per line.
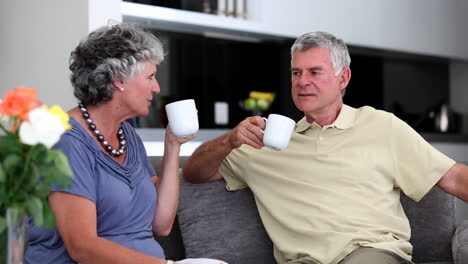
x=107, y=53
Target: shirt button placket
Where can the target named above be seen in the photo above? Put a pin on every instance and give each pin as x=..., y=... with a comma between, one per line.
x=321, y=142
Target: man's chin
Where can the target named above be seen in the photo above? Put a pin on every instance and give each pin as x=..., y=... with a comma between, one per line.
x=305, y=108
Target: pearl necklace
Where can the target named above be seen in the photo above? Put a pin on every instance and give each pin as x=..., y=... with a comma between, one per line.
x=100, y=138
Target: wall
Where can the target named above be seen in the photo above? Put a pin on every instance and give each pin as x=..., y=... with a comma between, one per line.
x=430, y=27
x=37, y=38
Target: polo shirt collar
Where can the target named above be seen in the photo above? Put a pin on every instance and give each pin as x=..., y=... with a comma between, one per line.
x=345, y=119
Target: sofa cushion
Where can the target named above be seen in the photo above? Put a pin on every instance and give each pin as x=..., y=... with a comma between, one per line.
x=215, y=223
x=172, y=245
x=432, y=222
x=460, y=240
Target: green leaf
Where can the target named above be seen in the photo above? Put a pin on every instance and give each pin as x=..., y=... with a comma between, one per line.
x=50, y=174
x=10, y=143
x=42, y=190
x=34, y=209
x=3, y=196
x=2, y=175
x=3, y=245
x=12, y=162
x=38, y=154
x=3, y=224
x=64, y=175
x=49, y=217
x=34, y=175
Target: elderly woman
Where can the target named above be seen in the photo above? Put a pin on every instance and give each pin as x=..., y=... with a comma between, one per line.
x=115, y=203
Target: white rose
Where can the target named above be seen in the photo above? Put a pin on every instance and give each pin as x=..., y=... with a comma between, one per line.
x=3, y=120
x=42, y=127
x=4, y=123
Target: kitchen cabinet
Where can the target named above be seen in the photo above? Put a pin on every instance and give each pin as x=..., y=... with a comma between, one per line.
x=427, y=27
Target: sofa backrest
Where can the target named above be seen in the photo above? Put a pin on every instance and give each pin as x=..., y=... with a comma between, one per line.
x=433, y=224
x=215, y=223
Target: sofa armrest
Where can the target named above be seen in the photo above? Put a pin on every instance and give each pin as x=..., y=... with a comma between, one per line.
x=460, y=243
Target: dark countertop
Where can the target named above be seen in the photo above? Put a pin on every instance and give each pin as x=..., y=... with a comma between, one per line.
x=153, y=138
x=445, y=137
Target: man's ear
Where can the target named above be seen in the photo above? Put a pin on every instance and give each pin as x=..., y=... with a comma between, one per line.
x=345, y=76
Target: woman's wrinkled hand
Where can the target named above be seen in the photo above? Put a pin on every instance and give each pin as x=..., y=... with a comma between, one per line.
x=172, y=139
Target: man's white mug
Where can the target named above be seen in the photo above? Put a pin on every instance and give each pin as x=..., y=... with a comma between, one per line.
x=278, y=131
x=183, y=117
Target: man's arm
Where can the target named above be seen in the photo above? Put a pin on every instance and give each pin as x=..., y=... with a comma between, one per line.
x=203, y=165
x=455, y=181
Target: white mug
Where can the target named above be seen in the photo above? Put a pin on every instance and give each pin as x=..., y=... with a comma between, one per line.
x=278, y=131
x=183, y=117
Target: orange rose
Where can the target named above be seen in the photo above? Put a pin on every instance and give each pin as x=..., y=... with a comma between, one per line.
x=19, y=102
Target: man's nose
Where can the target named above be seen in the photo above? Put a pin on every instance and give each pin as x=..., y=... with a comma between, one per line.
x=304, y=80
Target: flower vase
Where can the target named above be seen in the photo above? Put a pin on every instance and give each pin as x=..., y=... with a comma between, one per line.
x=17, y=236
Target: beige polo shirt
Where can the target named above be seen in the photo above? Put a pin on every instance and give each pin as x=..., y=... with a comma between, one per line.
x=336, y=188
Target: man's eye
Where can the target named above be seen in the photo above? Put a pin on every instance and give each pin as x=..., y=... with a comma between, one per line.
x=315, y=73
x=295, y=73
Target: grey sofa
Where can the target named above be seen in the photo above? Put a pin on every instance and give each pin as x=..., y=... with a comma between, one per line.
x=212, y=222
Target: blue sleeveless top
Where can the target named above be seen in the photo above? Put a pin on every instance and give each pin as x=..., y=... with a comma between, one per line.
x=124, y=195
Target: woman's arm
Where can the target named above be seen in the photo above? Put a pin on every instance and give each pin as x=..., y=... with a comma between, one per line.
x=76, y=223
x=167, y=184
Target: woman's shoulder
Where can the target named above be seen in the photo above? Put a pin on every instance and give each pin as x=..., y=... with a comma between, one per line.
x=75, y=139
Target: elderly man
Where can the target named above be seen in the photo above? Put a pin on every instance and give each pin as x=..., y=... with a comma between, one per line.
x=333, y=195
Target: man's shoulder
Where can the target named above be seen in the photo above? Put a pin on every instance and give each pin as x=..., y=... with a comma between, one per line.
x=371, y=112
x=370, y=117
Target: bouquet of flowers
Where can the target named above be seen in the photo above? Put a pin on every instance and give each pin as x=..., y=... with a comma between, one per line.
x=28, y=164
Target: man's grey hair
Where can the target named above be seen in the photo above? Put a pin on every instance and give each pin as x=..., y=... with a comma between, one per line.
x=339, y=54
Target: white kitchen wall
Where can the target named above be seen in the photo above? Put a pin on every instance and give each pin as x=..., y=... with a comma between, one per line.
x=432, y=27
x=102, y=12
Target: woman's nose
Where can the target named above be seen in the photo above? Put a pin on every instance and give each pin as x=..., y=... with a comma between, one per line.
x=156, y=88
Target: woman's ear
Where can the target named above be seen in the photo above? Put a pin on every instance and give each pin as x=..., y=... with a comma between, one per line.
x=118, y=83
